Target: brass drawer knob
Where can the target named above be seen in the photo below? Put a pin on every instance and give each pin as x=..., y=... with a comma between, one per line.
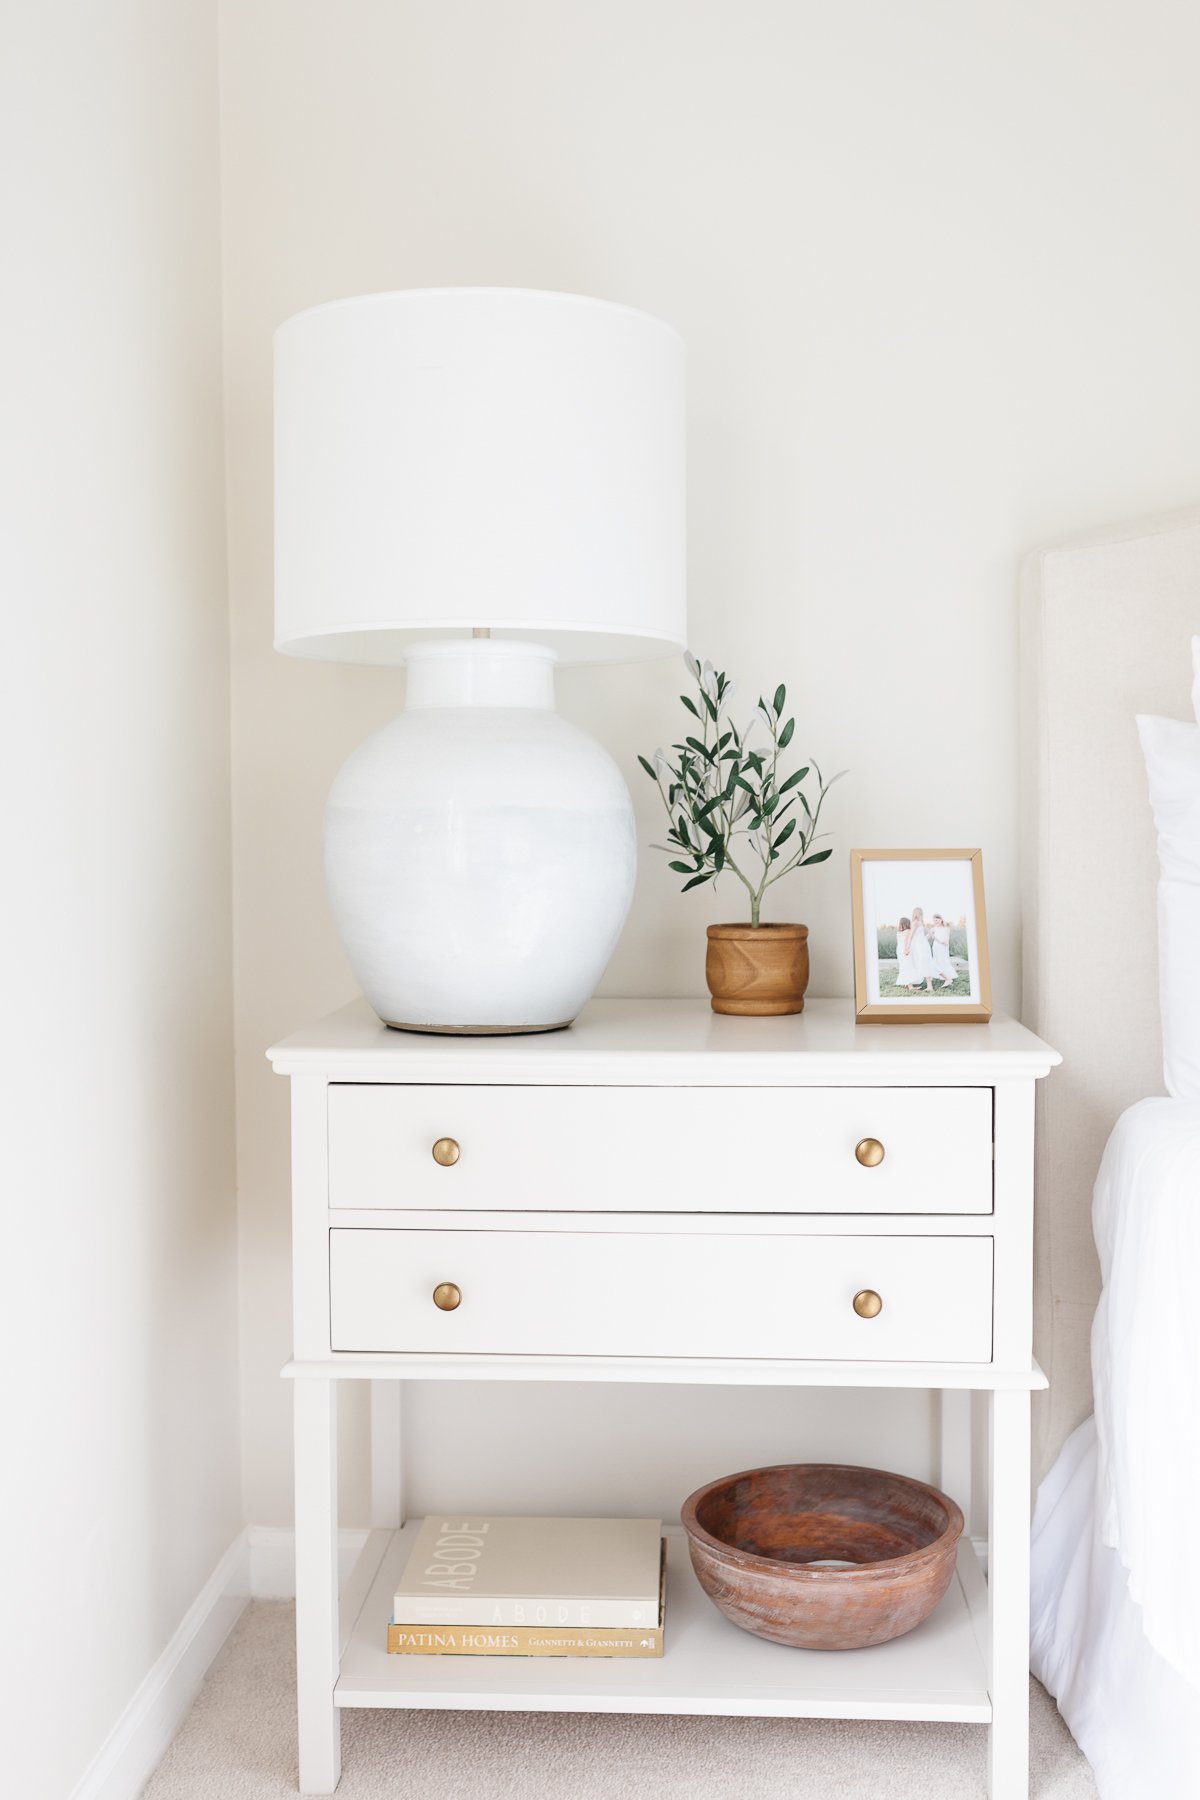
x=446, y=1152
x=447, y=1296
x=869, y=1151
x=867, y=1303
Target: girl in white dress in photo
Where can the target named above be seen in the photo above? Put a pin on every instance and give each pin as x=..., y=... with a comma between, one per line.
x=904, y=974
x=920, y=953
x=943, y=968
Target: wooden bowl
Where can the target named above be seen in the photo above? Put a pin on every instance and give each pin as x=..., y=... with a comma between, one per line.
x=762, y=1544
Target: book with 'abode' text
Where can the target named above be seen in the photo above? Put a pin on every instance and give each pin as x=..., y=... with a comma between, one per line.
x=593, y=1574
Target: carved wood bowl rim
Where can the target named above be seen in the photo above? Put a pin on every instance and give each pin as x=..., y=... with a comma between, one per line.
x=885, y=1567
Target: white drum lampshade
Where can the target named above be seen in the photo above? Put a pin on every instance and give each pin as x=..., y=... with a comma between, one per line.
x=477, y=483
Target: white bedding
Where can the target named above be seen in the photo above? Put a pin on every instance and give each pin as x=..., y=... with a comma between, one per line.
x=1146, y=1366
x=1116, y=1583
x=1134, y=1717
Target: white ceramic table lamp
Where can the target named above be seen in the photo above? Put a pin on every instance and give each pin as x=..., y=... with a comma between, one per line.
x=449, y=464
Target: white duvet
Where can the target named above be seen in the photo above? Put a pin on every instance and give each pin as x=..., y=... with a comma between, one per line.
x=1146, y=1368
x=1116, y=1564
x=1134, y=1717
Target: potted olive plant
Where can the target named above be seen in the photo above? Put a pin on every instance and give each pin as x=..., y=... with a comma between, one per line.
x=732, y=810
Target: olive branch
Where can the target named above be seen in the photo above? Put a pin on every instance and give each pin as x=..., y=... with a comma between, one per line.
x=720, y=794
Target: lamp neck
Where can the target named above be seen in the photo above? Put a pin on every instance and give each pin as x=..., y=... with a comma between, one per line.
x=479, y=672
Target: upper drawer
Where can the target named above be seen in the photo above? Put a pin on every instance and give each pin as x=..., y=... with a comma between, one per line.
x=604, y=1149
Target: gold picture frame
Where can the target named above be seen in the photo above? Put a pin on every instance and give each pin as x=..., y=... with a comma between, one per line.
x=878, y=997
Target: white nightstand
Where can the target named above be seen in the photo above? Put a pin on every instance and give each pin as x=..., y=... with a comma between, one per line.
x=555, y=1174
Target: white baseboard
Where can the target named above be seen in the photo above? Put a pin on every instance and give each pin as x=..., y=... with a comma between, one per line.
x=258, y=1565
x=136, y=1743
x=273, y=1559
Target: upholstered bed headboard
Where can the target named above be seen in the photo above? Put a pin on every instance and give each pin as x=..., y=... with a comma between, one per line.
x=1106, y=624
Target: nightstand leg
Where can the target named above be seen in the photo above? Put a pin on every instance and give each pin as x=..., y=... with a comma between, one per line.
x=387, y=1461
x=1008, y=1596
x=956, y=1450
x=317, y=1584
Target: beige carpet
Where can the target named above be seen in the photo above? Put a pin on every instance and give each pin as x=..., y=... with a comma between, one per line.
x=238, y=1743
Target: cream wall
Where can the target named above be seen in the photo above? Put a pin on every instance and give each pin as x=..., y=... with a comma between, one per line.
x=935, y=271
x=119, y=1487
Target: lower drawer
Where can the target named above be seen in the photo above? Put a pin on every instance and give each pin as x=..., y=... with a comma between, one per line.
x=531, y=1293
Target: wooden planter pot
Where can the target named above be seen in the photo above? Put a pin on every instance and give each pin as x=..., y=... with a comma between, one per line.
x=757, y=970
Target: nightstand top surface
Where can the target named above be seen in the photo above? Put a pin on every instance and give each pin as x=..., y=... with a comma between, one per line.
x=672, y=1042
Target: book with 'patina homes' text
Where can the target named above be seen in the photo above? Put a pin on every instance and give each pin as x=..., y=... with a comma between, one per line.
x=532, y=1640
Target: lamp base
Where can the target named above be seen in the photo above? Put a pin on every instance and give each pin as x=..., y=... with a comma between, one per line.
x=477, y=1030
x=480, y=851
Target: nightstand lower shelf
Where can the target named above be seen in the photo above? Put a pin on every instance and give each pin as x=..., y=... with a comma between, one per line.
x=709, y=1666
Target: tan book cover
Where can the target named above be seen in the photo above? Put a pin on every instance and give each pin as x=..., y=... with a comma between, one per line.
x=593, y=1574
x=532, y=1640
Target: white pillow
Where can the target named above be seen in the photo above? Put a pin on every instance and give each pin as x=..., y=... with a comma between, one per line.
x=1172, y=752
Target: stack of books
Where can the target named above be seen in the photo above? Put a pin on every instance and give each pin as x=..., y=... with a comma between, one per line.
x=532, y=1587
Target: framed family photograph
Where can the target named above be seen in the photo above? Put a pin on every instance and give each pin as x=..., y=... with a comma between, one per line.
x=920, y=935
